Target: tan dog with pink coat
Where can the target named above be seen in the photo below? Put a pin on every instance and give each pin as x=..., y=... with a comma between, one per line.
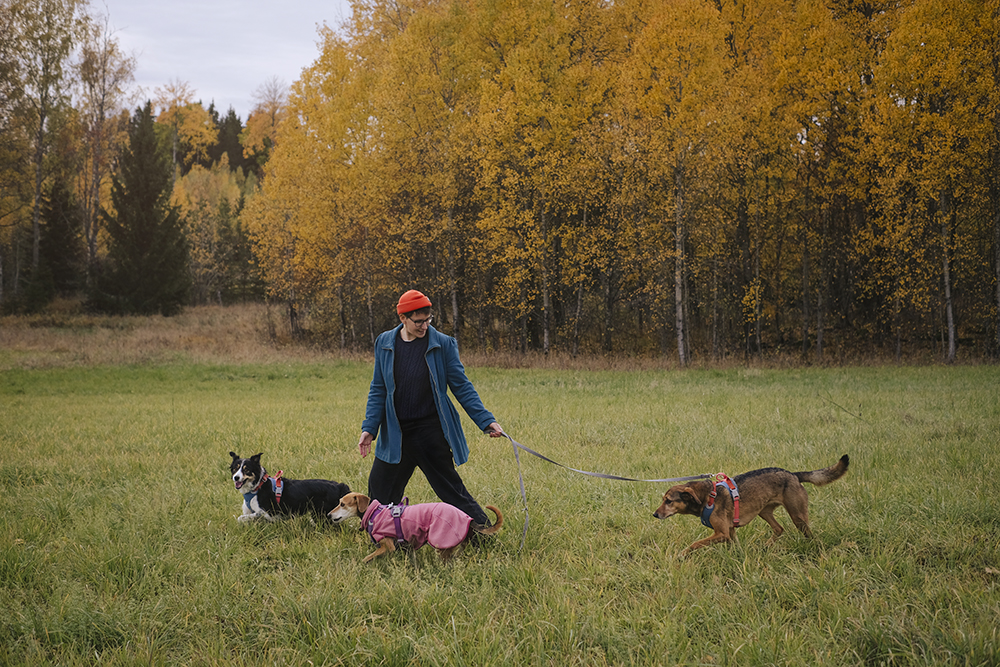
x=443, y=526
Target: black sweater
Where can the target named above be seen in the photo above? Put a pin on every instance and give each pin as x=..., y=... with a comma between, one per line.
x=413, y=397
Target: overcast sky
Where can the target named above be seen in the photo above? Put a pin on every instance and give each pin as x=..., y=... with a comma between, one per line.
x=224, y=49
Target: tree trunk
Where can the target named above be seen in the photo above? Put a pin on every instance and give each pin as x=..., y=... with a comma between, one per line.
x=897, y=325
x=996, y=267
x=17, y=268
x=452, y=276
x=607, y=339
x=758, y=314
x=805, y=292
x=579, y=303
x=92, y=195
x=947, y=220
x=576, y=320
x=743, y=239
x=342, y=311
x=824, y=273
x=481, y=327
x=36, y=211
x=994, y=197
x=716, y=352
x=371, y=312
x=679, y=268
x=454, y=308
x=294, y=326
x=546, y=305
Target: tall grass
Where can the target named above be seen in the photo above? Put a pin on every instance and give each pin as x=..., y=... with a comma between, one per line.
x=64, y=336
x=118, y=544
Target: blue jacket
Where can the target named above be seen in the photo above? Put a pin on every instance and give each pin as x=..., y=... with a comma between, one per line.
x=447, y=372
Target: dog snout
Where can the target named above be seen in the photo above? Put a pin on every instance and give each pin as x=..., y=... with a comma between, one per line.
x=663, y=512
x=338, y=514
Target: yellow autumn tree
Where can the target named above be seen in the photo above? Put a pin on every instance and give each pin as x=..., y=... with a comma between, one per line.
x=671, y=84
x=743, y=247
x=105, y=73
x=986, y=33
x=310, y=220
x=931, y=137
x=680, y=174
x=208, y=200
x=818, y=72
x=423, y=95
x=190, y=128
x=270, y=108
x=537, y=99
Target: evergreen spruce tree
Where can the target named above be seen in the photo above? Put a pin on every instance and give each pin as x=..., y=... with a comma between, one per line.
x=242, y=279
x=63, y=253
x=147, y=251
x=228, y=143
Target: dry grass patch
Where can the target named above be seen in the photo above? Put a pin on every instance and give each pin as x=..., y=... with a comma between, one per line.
x=65, y=336
x=249, y=333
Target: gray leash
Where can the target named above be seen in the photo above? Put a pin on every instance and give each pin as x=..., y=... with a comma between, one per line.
x=524, y=497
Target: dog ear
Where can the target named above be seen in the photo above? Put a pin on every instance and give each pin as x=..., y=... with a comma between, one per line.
x=256, y=457
x=233, y=454
x=691, y=495
x=363, y=503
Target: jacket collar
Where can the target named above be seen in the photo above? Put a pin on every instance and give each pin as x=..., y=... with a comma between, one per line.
x=433, y=338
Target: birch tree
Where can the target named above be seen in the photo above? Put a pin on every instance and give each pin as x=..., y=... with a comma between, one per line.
x=46, y=33
x=105, y=75
x=930, y=123
x=190, y=127
x=672, y=79
x=535, y=104
x=270, y=108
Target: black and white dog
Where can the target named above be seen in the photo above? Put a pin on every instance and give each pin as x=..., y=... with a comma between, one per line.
x=273, y=498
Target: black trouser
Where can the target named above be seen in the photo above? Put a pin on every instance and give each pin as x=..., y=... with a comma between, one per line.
x=424, y=447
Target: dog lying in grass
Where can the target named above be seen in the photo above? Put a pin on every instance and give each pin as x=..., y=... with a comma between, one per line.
x=273, y=498
x=758, y=492
x=443, y=526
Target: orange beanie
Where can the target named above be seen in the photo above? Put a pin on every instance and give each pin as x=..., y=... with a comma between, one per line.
x=412, y=300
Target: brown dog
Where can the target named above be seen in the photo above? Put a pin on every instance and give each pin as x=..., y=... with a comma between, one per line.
x=759, y=491
x=443, y=526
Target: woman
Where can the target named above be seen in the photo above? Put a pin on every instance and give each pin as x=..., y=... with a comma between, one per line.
x=408, y=404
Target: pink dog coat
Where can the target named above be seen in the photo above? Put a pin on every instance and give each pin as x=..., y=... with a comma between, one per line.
x=442, y=525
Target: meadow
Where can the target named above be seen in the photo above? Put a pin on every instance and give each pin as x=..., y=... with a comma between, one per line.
x=118, y=543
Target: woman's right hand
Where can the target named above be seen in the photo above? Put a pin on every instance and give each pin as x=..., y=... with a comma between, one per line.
x=365, y=443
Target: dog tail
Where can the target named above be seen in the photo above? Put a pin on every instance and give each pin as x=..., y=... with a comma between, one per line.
x=826, y=475
x=495, y=528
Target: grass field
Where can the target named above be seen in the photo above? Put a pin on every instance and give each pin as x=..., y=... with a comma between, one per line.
x=118, y=544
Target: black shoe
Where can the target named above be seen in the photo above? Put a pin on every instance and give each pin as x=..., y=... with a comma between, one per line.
x=476, y=537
